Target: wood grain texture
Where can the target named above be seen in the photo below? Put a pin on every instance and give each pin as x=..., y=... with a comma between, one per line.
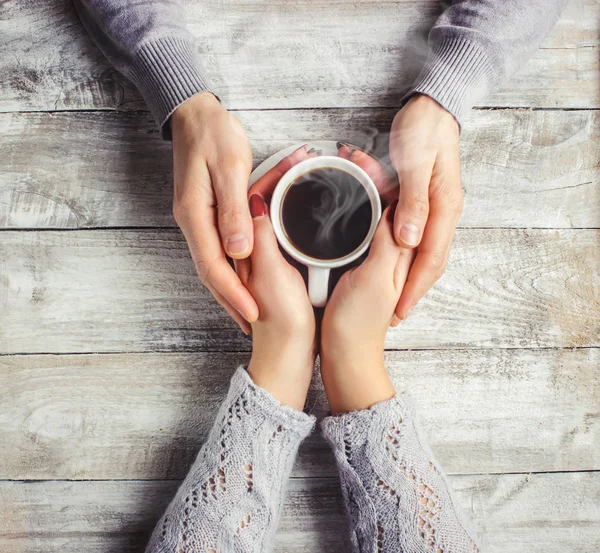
x=139, y=418
x=264, y=55
x=537, y=513
x=126, y=290
x=521, y=168
x=145, y=416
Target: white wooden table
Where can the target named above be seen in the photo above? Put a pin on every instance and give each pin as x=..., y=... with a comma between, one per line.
x=113, y=358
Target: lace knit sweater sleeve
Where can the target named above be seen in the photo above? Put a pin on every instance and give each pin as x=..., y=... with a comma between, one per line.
x=232, y=497
x=396, y=497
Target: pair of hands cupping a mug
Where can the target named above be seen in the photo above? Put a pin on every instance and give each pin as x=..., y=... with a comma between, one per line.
x=355, y=319
x=212, y=162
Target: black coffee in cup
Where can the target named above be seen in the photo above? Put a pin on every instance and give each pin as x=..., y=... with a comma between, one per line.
x=326, y=213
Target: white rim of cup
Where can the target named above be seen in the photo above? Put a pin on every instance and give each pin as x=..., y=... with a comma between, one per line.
x=311, y=164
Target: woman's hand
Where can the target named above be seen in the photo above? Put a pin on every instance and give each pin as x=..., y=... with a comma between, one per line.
x=211, y=164
x=356, y=320
x=283, y=348
x=284, y=343
x=424, y=149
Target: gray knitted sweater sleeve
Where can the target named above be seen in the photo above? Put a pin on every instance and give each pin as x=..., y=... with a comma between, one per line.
x=396, y=496
x=474, y=45
x=231, y=499
x=148, y=41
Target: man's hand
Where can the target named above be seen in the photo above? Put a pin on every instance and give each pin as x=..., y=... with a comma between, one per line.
x=212, y=161
x=424, y=149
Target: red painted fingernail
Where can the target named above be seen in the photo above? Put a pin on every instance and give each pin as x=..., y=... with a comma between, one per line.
x=258, y=208
x=392, y=211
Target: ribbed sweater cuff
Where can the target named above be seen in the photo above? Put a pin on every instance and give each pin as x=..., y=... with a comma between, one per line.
x=168, y=71
x=457, y=74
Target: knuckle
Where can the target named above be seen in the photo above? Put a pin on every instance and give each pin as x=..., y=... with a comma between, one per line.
x=186, y=205
x=204, y=268
x=180, y=211
x=234, y=165
x=230, y=215
x=436, y=264
x=450, y=195
x=456, y=203
x=418, y=204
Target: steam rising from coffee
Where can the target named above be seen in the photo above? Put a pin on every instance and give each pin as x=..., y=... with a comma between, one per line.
x=326, y=213
x=336, y=209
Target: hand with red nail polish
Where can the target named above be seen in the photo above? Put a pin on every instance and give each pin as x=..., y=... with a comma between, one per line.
x=356, y=320
x=283, y=336
x=424, y=149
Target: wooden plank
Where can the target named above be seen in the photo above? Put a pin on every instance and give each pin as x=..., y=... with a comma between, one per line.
x=125, y=290
x=111, y=517
x=268, y=56
x=520, y=168
x=141, y=416
x=538, y=513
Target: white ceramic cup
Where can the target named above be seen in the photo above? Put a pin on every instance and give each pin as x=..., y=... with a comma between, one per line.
x=319, y=269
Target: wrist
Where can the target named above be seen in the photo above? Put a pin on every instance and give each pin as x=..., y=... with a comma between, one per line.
x=429, y=107
x=283, y=367
x=192, y=107
x=354, y=379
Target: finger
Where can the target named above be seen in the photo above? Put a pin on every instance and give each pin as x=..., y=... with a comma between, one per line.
x=434, y=250
x=366, y=160
x=230, y=182
x=204, y=242
x=243, y=269
x=243, y=324
x=385, y=256
x=265, y=185
x=414, y=176
x=401, y=271
x=344, y=150
x=387, y=187
x=266, y=251
x=384, y=250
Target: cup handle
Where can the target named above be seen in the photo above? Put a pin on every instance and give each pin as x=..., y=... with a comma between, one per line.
x=318, y=285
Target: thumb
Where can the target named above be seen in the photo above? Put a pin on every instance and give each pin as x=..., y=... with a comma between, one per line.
x=413, y=205
x=235, y=224
x=266, y=250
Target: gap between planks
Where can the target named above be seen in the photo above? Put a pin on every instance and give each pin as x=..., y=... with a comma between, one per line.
x=292, y=477
x=301, y=108
x=245, y=351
